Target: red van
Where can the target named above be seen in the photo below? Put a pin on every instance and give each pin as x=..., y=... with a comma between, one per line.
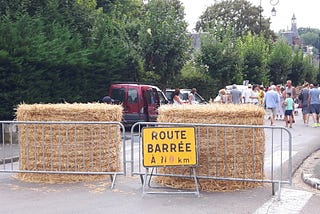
x=140, y=102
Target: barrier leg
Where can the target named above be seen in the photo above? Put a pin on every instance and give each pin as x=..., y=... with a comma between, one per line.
x=196, y=182
x=113, y=179
x=279, y=191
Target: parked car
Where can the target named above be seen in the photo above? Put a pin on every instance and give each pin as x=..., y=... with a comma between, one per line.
x=184, y=94
x=239, y=87
x=140, y=101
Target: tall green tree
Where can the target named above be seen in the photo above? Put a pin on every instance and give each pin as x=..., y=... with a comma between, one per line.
x=310, y=37
x=254, y=52
x=221, y=59
x=34, y=40
x=239, y=15
x=280, y=62
x=194, y=75
x=164, y=40
x=310, y=71
x=31, y=7
x=298, y=72
x=47, y=56
x=111, y=50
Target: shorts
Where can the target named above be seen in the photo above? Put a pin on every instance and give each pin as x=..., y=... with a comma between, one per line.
x=314, y=108
x=271, y=112
x=288, y=112
x=305, y=109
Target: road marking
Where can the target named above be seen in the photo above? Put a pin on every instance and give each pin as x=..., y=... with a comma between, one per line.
x=291, y=202
x=277, y=158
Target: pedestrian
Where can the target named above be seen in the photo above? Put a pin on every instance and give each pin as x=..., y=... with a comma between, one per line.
x=314, y=103
x=176, y=97
x=191, y=97
x=280, y=107
x=261, y=94
x=236, y=95
x=246, y=94
x=271, y=100
x=292, y=90
x=282, y=98
x=304, y=101
x=254, y=96
x=225, y=97
x=289, y=106
x=107, y=99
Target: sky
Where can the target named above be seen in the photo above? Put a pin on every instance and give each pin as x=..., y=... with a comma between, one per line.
x=307, y=12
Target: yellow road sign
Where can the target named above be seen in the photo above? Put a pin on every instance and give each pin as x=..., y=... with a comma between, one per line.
x=168, y=146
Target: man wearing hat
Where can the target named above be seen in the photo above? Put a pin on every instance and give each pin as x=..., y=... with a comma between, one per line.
x=107, y=99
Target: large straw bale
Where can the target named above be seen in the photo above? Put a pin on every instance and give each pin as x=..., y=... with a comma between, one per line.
x=69, y=147
x=223, y=152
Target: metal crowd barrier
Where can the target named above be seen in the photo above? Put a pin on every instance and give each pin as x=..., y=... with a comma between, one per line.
x=276, y=166
x=86, y=148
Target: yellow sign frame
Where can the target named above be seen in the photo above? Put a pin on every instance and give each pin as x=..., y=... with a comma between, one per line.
x=169, y=146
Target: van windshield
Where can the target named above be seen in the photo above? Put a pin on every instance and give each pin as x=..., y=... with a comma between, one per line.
x=118, y=95
x=162, y=98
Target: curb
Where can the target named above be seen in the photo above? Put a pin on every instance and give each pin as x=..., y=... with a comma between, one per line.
x=9, y=160
x=308, y=179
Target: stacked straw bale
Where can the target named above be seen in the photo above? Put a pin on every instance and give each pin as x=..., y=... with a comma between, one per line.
x=223, y=152
x=72, y=148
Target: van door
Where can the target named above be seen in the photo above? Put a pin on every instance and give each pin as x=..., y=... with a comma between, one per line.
x=152, y=100
x=133, y=112
x=132, y=104
x=128, y=96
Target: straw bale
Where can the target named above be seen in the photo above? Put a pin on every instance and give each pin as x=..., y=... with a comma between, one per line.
x=68, y=147
x=223, y=152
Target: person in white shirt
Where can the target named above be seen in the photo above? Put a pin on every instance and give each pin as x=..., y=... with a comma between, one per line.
x=191, y=97
x=176, y=98
x=225, y=97
x=247, y=93
x=254, y=96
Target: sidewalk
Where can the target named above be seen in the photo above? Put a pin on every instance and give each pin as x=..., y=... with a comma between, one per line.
x=311, y=170
x=9, y=153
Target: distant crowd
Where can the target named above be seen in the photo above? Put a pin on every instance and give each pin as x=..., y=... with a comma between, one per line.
x=280, y=101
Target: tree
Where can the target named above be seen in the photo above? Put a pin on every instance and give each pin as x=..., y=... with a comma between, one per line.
x=310, y=71
x=196, y=76
x=221, y=59
x=13, y=8
x=310, y=37
x=163, y=38
x=47, y=56
x=280, y=62
x=254, y=51
x=298, y=72
x=239, y=15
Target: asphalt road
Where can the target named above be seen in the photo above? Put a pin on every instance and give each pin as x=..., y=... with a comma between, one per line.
x=126, y=197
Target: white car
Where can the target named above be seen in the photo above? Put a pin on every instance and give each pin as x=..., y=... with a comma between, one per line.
x=184, y=94
x=239, y=87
